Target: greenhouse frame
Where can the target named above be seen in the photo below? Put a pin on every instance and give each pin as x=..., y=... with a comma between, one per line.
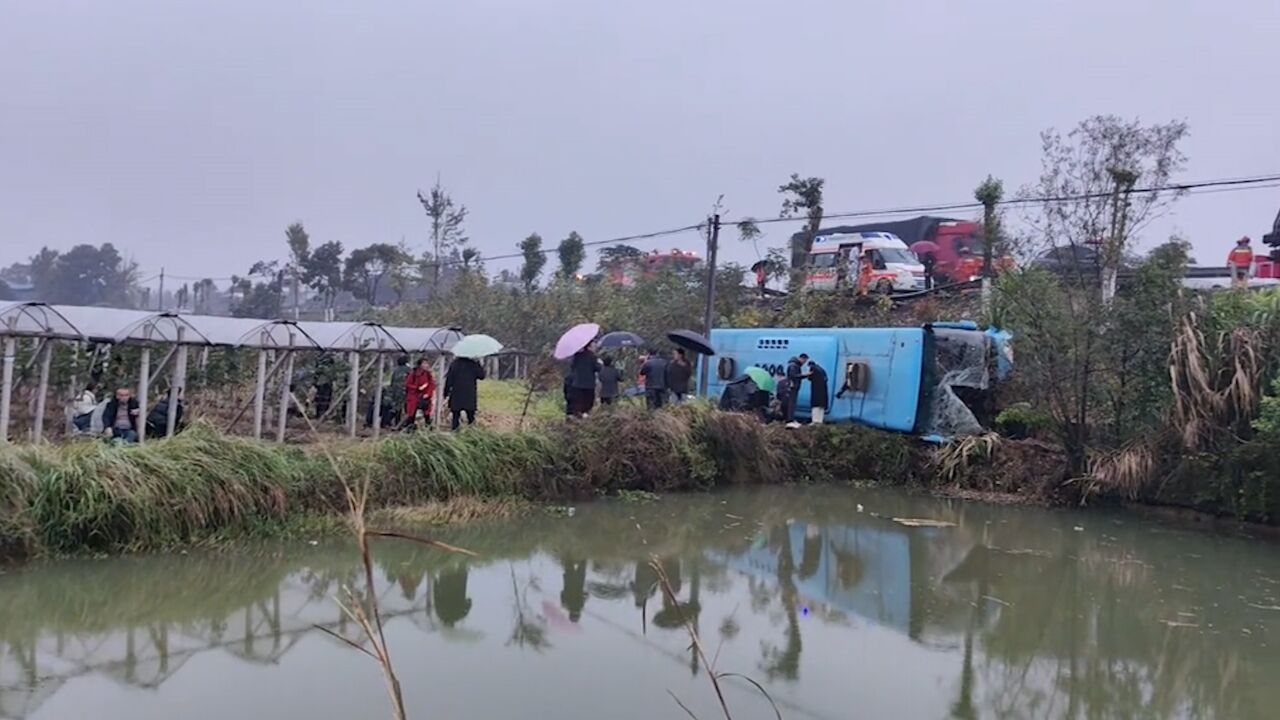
x=277, y=342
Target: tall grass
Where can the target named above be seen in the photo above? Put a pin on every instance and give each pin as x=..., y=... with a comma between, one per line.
x=99, y=497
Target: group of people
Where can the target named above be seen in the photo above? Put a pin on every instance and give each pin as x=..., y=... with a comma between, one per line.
x=590, y=376
x=122, y=414
x=411, y=393
x=743, y=395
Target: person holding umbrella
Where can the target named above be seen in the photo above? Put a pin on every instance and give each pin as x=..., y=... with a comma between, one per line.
x=679, y=372
x=580, y=383
x=583, y=368
x=460, y=390
x=464, y=373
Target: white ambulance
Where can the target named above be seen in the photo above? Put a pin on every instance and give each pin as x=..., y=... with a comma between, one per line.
x=837, y=260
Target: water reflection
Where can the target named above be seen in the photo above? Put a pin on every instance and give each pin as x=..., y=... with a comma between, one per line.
x=1012, y=613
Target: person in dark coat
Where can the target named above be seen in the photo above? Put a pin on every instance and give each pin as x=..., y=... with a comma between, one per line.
x=610, y=379
x=679, y=372
x=654, y=374
x=158, y=418
x=928, y=262
x=460, y=390
x=394, y=395
x=795, y=372
x=568, y=395
x=818, y=391
x=120, y=416
x=583, y=368
x=739, y=395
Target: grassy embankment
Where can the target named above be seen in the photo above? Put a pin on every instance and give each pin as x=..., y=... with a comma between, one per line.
x=91, y=496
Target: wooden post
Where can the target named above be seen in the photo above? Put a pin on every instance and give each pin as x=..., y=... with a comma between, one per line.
x=437, y=402
x=353, y=392
x=176, y=381
x=74, y=390
x=144, y=385
x=204, y=365
x=286, y=380
x=6, y=383
x=42, y=393
x=377, y=391
x=260, y=390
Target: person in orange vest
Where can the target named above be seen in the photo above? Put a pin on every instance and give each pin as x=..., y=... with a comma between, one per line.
x=1240, y=261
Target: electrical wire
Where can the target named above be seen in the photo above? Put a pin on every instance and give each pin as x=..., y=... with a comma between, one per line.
x=1203, y=187
x=1221, y=185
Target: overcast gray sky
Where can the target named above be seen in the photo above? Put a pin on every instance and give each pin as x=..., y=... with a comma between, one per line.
x=191, y=133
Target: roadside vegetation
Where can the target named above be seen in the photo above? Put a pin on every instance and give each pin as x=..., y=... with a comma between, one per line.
x=93, y=496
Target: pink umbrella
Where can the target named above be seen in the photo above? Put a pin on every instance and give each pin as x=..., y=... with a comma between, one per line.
x=577, y=337
x=924, y=247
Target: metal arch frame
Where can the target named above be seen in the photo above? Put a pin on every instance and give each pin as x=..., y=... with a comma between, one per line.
x=184, y=331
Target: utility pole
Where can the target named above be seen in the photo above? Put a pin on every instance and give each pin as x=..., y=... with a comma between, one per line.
x=160, y=295
x=708, y=314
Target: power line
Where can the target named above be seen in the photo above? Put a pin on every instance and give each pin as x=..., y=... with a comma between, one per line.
x=1204, y=187
x=1221, y=185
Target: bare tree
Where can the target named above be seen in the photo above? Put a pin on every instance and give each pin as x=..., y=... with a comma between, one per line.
x=1101, y=184
x=446, y=227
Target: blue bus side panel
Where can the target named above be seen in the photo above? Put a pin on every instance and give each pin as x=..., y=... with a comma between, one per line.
x=894, y=356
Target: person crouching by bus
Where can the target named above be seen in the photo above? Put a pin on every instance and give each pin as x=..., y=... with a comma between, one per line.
x=1240, y=260
x=817, y=389
x=120, y=417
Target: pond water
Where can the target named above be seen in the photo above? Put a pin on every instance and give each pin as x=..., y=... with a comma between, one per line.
x=815, y=593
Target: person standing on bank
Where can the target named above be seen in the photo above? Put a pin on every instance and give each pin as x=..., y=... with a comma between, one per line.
x=610, y=378
x=654, y=374
x=1240, y=260
x=795, y=368
x=460, y=390
x=583, y=368
x=818, y=400
x=120, y=417
x=679, y=372
x=420, y=389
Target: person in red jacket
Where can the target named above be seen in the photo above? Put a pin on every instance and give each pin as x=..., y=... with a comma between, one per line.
x=1240, y=261
x=420, y=391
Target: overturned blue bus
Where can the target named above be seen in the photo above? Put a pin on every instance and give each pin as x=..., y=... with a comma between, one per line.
x=935, y=381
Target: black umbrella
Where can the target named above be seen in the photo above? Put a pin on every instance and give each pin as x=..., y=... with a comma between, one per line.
x=620, y=339
x=690, y=340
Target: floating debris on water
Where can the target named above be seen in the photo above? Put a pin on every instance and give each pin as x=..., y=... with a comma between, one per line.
x=923, y=522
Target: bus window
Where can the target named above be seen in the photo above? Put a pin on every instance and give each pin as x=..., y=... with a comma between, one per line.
x=877, y=260
x=822, y=260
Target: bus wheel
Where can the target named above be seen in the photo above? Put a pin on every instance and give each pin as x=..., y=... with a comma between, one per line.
x=884, y=287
